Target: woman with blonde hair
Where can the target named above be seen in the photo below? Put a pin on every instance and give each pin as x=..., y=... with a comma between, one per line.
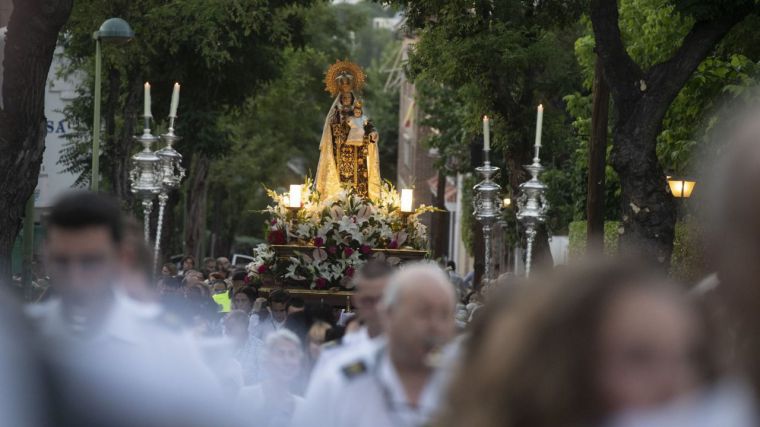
x=579, y=347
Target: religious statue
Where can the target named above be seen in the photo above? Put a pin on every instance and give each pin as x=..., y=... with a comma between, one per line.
x=348, y=155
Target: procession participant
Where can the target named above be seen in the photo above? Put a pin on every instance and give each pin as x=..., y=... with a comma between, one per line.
x=99, y=348
x=270, y=403
x=247, y=350
x=400, y=383
x=579, y=348
x=188, y=263
x=223, y=266
x=271, y=318
x=369, y=285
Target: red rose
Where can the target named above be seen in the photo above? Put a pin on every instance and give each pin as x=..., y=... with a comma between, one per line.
x=319, y=242
x=393, y=245
x=332, y=250
x=348, y=251
x=350, y=272
x=321, y=283
x=365, y=250
x=262, y=268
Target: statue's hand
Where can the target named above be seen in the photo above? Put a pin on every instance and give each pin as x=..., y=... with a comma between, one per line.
x=373, y=136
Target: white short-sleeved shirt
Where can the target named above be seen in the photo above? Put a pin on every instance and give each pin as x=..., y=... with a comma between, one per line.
x=254, y=406
x=367, y=393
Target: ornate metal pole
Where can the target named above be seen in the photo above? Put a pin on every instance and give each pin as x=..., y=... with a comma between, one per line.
x=487, y=204
x=145, y=175
x=172, y=173
x=532, y=206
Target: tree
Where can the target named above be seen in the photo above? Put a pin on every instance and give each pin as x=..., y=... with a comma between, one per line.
x=221, y=52
x=642, y=98
x=501, y=59
x=30, y=42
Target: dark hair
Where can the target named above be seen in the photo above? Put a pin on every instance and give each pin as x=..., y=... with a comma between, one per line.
x=189, y=257
x=239, y=274
x=172, y=282
x=83, y=209
x=375, y=270
x=452, y=265
x=250, y=292
x=279, y=296
x=218, y=281
x=296, y=302
x=171, y=267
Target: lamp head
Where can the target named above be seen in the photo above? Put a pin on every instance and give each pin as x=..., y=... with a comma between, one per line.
x=116, y=31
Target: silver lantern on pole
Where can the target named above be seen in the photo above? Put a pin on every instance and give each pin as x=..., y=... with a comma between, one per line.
x=146, y=174
x=531, y=204
x=172, y=173
x=487, y=200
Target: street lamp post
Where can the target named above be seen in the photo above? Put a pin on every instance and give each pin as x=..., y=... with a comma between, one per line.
x=116, y=31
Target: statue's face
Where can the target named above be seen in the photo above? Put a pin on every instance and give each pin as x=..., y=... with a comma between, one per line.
x=357, y=112
x=345, y=85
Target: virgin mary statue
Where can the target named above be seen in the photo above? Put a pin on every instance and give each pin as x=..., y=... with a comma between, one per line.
x=348, y=155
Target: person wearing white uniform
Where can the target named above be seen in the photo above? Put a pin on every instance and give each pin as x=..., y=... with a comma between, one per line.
x=369, y=283
x=110, y=363
x=400, y=383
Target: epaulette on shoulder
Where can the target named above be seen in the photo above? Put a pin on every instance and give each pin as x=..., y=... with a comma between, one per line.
x=355, y=369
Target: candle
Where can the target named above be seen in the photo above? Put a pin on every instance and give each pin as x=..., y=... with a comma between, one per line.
x=295, y=196
x=407, y=195
x=539, y=123
x=486, y=134
x=175, y=101
x=146, y=111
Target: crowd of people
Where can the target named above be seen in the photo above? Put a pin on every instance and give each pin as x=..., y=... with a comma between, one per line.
x=602, y=343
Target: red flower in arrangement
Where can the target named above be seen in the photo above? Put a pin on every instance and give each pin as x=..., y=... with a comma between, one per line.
x=348, y=252
x=321, y=283
x=262, y=268
x=350, y=272
x=332, y=250
x=277, y=237
x=319, y=242
x=393, y=245
x=365, y=250
x=273, y=222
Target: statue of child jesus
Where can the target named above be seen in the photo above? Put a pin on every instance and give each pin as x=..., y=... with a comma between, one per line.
x=356, y=123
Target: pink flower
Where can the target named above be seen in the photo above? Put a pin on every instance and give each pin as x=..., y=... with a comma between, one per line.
x=277, y=237
x=319, y=242
x=350, y=272
x=332, y=250
x=273, y=222
x=348, y=251
x=365, y=250
x=393, y=245
x=262, y=268
x=321, y=283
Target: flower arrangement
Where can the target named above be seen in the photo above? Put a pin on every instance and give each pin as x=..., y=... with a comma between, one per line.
x=344, y=229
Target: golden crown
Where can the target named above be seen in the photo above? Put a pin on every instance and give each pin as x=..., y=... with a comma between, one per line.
x=342, y=69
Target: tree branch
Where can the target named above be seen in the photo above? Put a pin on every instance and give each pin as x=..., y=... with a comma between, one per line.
x=671, y=75
x=620, y=70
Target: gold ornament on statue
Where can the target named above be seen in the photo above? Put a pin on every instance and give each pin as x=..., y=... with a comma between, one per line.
x=344, y=70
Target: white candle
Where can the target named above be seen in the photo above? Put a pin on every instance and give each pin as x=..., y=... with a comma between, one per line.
x=146, y=112
x=407, y=195
x=175, y=101
x=539, y=124
x=486, y=134
x=295, y=196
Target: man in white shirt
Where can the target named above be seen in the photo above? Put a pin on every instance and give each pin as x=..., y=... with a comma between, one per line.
x=399, y=383
x=272, y=318
x=369, y=284
x=110, y=363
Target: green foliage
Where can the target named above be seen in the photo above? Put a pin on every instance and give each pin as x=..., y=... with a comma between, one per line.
x=277, y=131
x=577, y=237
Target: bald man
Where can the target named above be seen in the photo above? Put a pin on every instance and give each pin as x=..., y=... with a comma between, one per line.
x=401, y=384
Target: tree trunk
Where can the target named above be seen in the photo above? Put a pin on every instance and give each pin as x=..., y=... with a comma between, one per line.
x=597, y=159
x=30, y=42
x=440, y=220
x=196, y=207
x=642, y=98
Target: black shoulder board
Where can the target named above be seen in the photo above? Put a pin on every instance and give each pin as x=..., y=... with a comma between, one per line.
x=355, y=369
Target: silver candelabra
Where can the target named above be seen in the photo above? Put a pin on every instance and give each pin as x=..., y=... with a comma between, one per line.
x=532, y=205
x=487, y=205
x=156, y=173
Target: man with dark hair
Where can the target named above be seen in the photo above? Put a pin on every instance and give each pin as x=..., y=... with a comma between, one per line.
x=99, y=346
x=273, y=318
x=188, y=263
x=296, y=305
